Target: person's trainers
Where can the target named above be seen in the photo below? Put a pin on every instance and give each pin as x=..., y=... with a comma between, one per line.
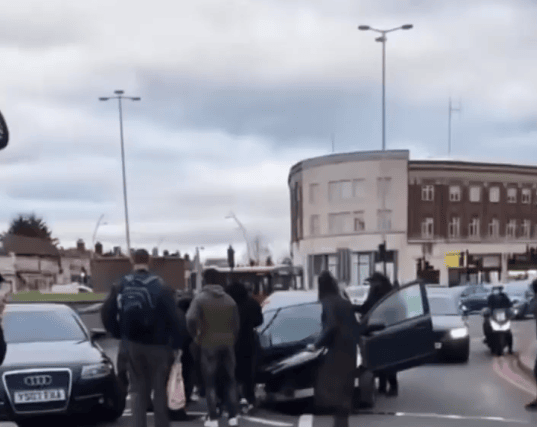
x=532, y=406
x=233, y=422
x=211, y=423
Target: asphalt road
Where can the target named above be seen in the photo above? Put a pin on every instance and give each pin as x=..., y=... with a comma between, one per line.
x=487, y=391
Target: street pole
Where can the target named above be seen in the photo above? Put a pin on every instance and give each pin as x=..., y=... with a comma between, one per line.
x=96, y=229
x=383, y=39
x=119, y=97
x=449, y=125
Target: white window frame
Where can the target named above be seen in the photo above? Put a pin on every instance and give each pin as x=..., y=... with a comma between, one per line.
x=335, y=190
x=510, y=229
x=358, y=217
x=336, y=223
x=454, y=228
x=496, y=192
x=472, y=193
x=454, y=193
x=474, y=228
x=427, y=228
x=526, y=229
x=511, y=195
x=384, y=219
x=358, y=184
x=494, y=228
x=383, y=187
x=526, y=196
x=427, y=193
x=315, y=225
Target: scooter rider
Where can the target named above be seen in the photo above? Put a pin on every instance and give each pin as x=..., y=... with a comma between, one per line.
x=498, y=299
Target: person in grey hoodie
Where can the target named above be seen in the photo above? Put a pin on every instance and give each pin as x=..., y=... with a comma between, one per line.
x=214, y=324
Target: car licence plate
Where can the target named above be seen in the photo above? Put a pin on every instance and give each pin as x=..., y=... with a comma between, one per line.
x=437, y=345
x=39, y=396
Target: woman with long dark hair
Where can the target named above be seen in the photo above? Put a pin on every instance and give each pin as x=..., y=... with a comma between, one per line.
x=334, y=387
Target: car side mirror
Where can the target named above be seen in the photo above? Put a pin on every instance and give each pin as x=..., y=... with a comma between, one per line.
x=97, y=334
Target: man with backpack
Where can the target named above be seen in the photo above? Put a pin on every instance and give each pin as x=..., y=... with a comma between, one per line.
x=145, y=316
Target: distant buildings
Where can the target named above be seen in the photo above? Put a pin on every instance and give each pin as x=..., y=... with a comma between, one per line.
x=445, y=221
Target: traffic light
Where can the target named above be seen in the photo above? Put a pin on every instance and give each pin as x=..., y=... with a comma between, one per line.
x=382, y=252
x=231, y=257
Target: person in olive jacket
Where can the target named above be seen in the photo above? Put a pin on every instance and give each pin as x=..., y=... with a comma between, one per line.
x=334, y=385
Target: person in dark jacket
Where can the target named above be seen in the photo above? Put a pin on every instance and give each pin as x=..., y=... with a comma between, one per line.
x=3, y=303
x=246, y=348
x=150, y=351
x=532, y=406
x=380, y=286
x=334, y=385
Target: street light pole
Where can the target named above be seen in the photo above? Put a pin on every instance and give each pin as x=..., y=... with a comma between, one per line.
x=383, y=39
x=119, y=97
x=244, y=233
x=97, y=228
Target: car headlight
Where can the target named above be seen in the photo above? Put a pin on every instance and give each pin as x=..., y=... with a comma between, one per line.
x=458, y=333
x=97, y=370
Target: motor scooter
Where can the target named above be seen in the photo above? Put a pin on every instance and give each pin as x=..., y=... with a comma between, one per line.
x=499, y=334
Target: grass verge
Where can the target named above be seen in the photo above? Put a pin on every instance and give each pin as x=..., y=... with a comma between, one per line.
x=36, y=296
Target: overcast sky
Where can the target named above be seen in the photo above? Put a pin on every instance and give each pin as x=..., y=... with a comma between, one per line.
x=233, y=94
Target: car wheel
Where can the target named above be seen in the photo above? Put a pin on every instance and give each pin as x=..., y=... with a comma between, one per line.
x=114, y=405
x=464, y=355
x=368, y=395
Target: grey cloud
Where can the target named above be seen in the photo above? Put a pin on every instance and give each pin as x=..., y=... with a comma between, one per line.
x=94, y=192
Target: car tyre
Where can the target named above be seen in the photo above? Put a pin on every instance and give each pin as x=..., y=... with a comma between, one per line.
x=114, y=405
x=368, y=395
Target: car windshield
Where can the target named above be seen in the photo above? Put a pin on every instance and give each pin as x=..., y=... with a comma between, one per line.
x=443, y=306
x=291, y=324
x=32, y=326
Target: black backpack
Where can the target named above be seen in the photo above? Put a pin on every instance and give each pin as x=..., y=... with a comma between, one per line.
x=137, y=303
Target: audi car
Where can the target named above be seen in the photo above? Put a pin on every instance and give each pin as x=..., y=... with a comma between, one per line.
x=53, y=366
x=396, y=334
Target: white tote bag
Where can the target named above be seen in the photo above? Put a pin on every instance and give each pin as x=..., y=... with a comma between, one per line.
x=176, y=386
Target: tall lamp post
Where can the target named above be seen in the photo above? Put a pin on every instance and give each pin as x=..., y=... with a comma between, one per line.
x=383, y=39
x=97, y=228
x=244, y=233
x=119, y=96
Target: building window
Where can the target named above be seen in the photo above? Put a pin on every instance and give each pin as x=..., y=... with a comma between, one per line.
x=339, y=190
x=511, y=195
x=475, y=193
x=473, y=228
x=454, y=228
x=427, y=228
x=314, y=193
x=427, y=193
x=526, y=196
x=526, y=229
x=358, y=188
x=384, y=218
x=510, y=231
x=361, y=268
x=359, y=222
x=455, y=193
x=383, y=187
x=494, y=228
x=494, y=194
x=339, y=223
x=315, y=225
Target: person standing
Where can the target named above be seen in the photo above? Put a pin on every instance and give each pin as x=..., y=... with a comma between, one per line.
x=334, y=386
x=532, y=406
x=151, y=329
x=213, y=322
x=246, y=349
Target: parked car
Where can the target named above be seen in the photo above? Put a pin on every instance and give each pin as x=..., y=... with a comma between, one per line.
x=357, y=294
x=522, y=296
x=54, y=367
x=70, y=288
x=474, y=297
x=292, y=320
x=450, y=326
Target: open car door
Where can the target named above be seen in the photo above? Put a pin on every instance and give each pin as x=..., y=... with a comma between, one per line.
x=398, y=331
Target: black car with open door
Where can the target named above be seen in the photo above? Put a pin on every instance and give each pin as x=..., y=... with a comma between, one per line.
x=397, y=335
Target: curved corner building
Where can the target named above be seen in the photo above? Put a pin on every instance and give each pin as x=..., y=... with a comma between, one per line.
x=446, y=221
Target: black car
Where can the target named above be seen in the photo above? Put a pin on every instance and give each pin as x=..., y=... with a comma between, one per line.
x=475, y=297
x=53, y=367
x=397, y=335
x=450, y=326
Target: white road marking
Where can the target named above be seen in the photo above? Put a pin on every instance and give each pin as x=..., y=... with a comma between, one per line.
x=268, y=422
x=305, y=420
x=460, y=417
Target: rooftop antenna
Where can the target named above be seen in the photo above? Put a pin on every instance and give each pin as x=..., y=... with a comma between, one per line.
x=333, y=138
x=451, y=109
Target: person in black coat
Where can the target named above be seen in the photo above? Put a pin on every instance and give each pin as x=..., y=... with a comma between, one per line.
x=334, y=385
x=380, y=286
x=246, y=348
